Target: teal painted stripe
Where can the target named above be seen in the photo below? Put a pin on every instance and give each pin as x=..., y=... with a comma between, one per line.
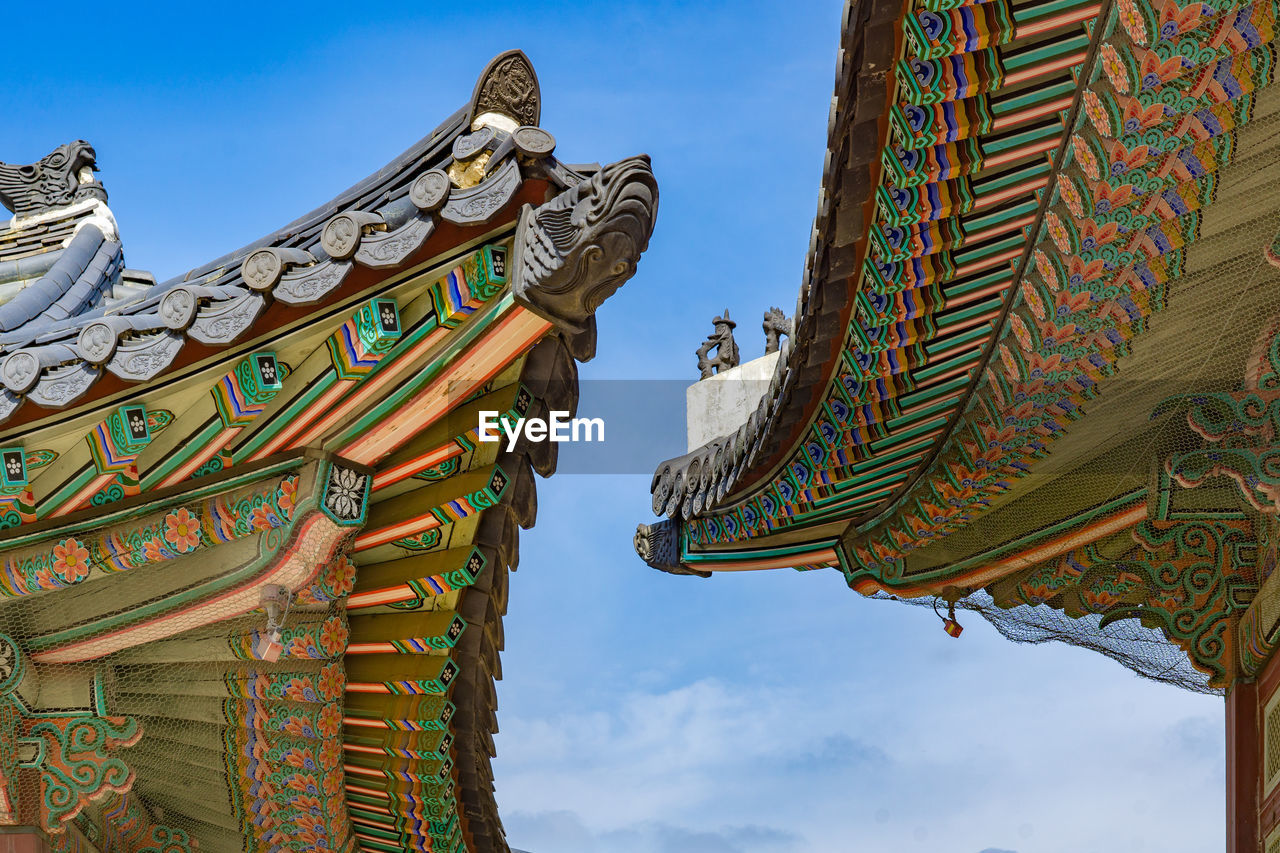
x=972, y=225
x=936, y=368
x=939, y=405
x=938, y=347
x=867, y=470
x=1026, y=14
x=286, y=416
x=1022, y=137
x=454, y=344
x=826, y=506
x=99, y=521
x=922, y=395
x=391, y=836
x=879, y=463
x=848, y=504
x=64, y=494
x=428, y=324
x=986, y=250
x=1059, y=46
x=985, y=280
x=1031, y=97
x=1029, y=172
x=995, y=303
x=888, y=443
x=178, y=457
x=812, y=519
x=750, y=553
x=1037, y=536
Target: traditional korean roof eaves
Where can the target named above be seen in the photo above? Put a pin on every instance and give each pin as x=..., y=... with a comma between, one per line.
x=80, y=278
x=271, y=483
x=376, y=224
x=1057, y=155
x=688, y=485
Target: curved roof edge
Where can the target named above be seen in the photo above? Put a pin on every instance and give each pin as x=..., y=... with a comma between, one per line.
x=465, y=173
x=698, y=481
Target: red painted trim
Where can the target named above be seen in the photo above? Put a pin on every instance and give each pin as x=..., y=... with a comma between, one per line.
x=364, y=771
x=1268, y=680
x=1040, y=110
x=1044, y=25
x=1243, y=772
x=1006, y=194
x=182, y=472
x=408, y=527
x=808, y=558
x=1058, y=546
x=1042, y=147
x=1003, y=228
x=365, y=723
x=365, y=394
x=1043, y=70
x=1023, y=559
x=371, y=649
x=405, y=470
x=322, y=404
x=78, y=501
x=498, y=347
x=990, y=261
x=376, y=597
x=368, y=687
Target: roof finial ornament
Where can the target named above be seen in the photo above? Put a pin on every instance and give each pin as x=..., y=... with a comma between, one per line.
x=776, y=324
x=60, y=178
x=721, y=340
x=508, y=87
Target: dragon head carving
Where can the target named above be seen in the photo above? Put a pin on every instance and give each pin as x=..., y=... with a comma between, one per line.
x=574, y=251
x=60, y=178
x=658, y=545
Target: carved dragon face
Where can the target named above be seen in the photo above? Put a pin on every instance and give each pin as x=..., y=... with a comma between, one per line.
x=54, y=181
x=72, y=157
x=573, y=252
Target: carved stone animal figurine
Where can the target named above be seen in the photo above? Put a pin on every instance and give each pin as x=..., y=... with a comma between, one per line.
x=659, y=546
x=776, y=324
x=721, y=340
x=573, y=252
x=60, y=178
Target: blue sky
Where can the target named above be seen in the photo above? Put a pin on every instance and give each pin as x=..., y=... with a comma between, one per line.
x=643, y=713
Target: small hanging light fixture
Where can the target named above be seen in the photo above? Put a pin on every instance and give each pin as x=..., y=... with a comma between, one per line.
x=277, y=600
x=949, y=623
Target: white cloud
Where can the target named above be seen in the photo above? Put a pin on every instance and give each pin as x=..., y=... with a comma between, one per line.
x=564, y=832
x=704, y=762
x=779, y=712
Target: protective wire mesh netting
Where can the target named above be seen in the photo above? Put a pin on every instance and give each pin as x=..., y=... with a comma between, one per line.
x=1193, y=387
x=193, y=737
x=207, y=737
x=1145, y=651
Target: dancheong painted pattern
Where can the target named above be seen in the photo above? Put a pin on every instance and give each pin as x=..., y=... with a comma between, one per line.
x=1038, y=327
x=254, y=555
